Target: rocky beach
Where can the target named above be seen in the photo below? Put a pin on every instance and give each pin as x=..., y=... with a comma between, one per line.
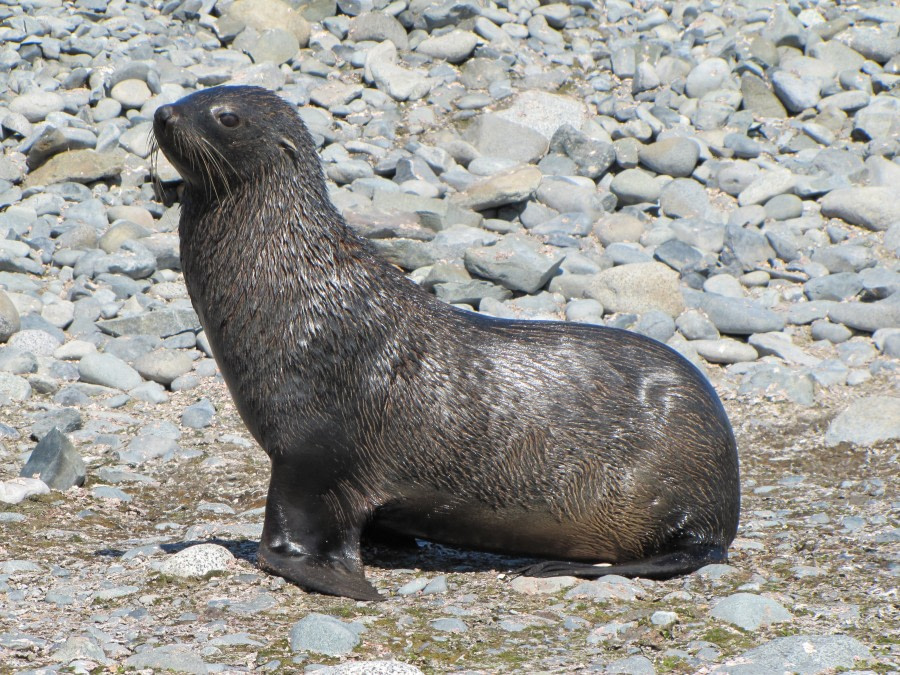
x=720, y=176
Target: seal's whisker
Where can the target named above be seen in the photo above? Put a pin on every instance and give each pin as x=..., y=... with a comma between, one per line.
x=220, y=161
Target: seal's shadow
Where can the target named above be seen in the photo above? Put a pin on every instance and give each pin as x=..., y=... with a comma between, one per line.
x=401, y=554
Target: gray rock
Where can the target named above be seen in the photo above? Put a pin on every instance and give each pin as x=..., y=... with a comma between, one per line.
x=869, y=207
x=750, y=611
x=617, y=227
x=199, y=415
x=779, y=382
x=702, y=234
x=146, y=447
x=780, y=345
x=163, y=365
x=179, y=658
x=707, y=76
x=634, y=186
x=724, y=284
x=638, y=288
x=455, y=46
x=371, y=668
x=80, y=648
x=825, y=330
x=748, y=247
x=724, y=350
x=592, y=157
x=759, y=98
x=15, y=490
x=38, y=342
x=109, y=492
x=109, y=371
x=734, y=177
x=490, y=135
x=505, y=188
x=766, y=185
x=322, y=634
x=585, y=310
x=675, y=156
x=840, y=286
x=159, y=323
x=413, y=586
x=436, y=585
x=200, y=560
x=449, y=625
x=56, y=461
x=867, y=316
x=844, y=257
x=655, y=324
x=401, y=84
x=683, y=198
x=877, y=120
x=866, y=421
x=797, y=93
x=609, y=588
x=695, y=325
x=803, y=654
x=65, y=420
x=784, y=207
x=544, y=112
x=515, y=261
x=735, y=316
x=9, y=317
x=631, y=665
x=470, y=292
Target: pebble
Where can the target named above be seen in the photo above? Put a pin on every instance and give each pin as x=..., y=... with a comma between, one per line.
x=56, y=461
x=163, y=365
x=639, y=287
x=868, y=207
x=516, y=262
x=449, y=625
x=178, y=657
x=749, y=611
x=869, y=420
x=800, y=653
x=609, y=588
x=735, y=316
x=16, y=490
x=109, y=371
x=200, y=560
x=675, y=156
x=198, y=415
x=322, y=634
x=9, y=318
x=371, y=668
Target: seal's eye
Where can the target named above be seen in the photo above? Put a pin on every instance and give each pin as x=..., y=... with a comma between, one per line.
x=228, y=119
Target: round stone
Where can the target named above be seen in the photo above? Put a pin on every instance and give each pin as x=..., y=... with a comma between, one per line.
x=131, y=93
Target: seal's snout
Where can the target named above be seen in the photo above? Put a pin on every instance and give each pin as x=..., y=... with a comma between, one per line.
x=164, y=116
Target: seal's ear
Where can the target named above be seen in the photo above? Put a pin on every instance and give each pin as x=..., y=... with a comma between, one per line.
x=288, y=146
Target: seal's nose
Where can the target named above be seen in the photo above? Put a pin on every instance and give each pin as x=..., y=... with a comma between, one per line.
x=164, y=115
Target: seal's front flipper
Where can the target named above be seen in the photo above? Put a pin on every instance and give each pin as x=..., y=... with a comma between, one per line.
x=664, y=566
x=322, y=575
x=311, y=536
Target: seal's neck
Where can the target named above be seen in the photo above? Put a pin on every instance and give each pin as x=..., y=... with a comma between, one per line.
x=278, y=258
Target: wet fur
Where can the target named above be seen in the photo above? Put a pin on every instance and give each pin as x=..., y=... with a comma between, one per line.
x=378, y=403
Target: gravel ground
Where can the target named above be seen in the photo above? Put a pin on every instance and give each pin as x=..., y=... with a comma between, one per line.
x=717, y=175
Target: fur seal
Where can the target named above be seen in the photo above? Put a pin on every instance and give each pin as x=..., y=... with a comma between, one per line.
x=377, y=404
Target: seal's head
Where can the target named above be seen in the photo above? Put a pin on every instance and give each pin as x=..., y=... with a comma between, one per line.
x=220, y=137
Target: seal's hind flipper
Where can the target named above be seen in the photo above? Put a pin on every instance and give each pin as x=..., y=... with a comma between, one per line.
x=664, y=566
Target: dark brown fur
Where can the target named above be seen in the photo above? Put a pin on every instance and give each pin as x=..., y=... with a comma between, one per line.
x=377, y=403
